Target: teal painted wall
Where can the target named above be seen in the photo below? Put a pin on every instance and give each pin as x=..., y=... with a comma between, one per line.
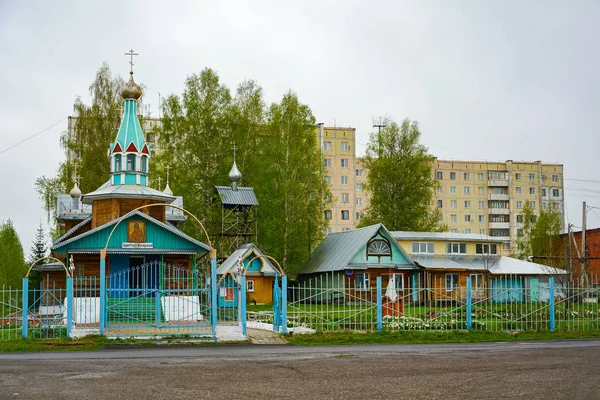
x=397, y=257
x=160, y=237
x=130, y=179
x=143, y=180
x=117, y=179
x=256, y=264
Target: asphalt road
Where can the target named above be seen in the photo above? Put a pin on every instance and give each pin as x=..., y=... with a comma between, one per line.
x=530, y=370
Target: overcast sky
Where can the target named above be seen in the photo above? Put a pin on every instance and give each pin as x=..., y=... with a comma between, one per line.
x=487, y=80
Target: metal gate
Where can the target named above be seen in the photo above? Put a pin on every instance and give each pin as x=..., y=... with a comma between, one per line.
x=157, y=299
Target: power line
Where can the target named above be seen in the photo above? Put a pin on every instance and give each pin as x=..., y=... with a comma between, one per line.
x=31, y=137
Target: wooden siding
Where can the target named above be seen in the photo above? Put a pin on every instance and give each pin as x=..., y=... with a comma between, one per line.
x=106, y=210
x=263, y=289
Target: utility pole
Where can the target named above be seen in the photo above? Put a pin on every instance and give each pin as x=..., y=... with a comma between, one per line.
x=583, y=262
x=569, y=236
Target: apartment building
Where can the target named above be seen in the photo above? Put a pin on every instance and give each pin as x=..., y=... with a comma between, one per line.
x=345, y=175
x=488, y=197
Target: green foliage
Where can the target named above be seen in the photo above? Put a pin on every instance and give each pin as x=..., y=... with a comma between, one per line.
x=522, y=248
x=400, y=182
x=39, y=249
x=12, y=261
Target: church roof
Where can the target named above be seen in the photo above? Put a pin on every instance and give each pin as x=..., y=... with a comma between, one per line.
x=108, y=191
x=130, y=132
x=243, y=196
x=246, y=252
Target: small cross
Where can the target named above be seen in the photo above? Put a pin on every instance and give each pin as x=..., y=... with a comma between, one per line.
x=168, y=168
x=159, y=179
x=234, y=148
x=131, y=54
x=78, y=180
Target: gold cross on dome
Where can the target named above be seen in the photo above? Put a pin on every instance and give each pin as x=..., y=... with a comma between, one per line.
x=131, y=54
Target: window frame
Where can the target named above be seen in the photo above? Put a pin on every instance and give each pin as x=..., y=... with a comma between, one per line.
x=365, y=282
x=130, y=158
x=344, y=161
x=401, y=280
x=453, y=282
x=250, y=286
x=461, y=248
x=429, y=247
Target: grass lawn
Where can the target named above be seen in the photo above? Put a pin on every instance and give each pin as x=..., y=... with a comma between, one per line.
x=419, y=337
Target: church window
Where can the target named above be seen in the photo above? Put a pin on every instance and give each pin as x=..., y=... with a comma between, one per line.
x=378, y=248
x=131, y=162
x=117, y=163
x=144, y=164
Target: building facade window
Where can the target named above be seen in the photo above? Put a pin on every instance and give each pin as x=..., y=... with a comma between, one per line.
x=531, y=190
x=532, y=204
x=328, y=179
x=555, y=178
x=344, y=163
x=452, y=217
x=467, y=190
x=358, y=172
x=467, y=231
x=452, y=203
x=452, y=189
x=327, y=214
x=532, y=177
x=467, y=176
x=344, y=179
x=439, y=175
x=345, y=197
x=518, y=176
x=481, y=190
x=130, y=162
x=451, y=282
x=422, y=248
x=326, y=146
x=358, y=187
x=555, y=193
x=379, y=248
x=518, y=190
x=485, y=248
x=345, y=215
x=117, y=163
x=467, y=218
x=359, y=201
x=327, y=162
x=453, y=230
x=440, y=189
x=480, y=176
x=482, y=218
x=452, y=175
x=345, y=146
x=481, y=204
x=144, y=163
x=358, y=215
x=455, y=248
x=440, y=203
x=467, y=203
x=519, y=204
x=362, y=281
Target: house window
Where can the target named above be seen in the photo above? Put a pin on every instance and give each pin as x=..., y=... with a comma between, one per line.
x=467, y=189
x=532, y=177
x=481, y=190
x=439, y=204
x=344, y=180
x=358, y=172
x=482, y=218
x=144, y=164
x=480, y=176
x=327, y=162
x=345, y=197
x=467, y=203
x=452, y=175
x=344, y=163
x=555, y=178
x=452, y=189
x=485, y=248
x=359, y=201
x=379, y=248
x=250, y=286
x=531, y=190
x=327, y=214
x=467, y=218
x=345, y=214
x=518, y=176
x=519, y=204
x=327, y=146
x=456, y=248
x=543, y=192
x=131, y=162
x=422, y=247
x=532, y=204
x=440, y=175
x=520, y=218
x=451, y=282
x=555, y=192
x=452, y=217
x=452, y=203
x=440, y=190
x=328, y=179
x=345, y=146
x=481, y=204
x=467, y=176
x=358, y=215
x=358, y=187
x=362, y=281
x=476, y=281
x=518, y=190
x=117, y=163
x=398, y=281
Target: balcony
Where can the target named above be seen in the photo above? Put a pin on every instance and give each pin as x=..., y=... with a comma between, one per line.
x=498, y=196
x=499, y=225
x=499, y=211
x=498, y=182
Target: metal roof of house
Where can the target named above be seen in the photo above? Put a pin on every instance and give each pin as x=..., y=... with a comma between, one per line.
x=244, y=251
x=409, y=235
x=243, y=196
x=168, y=227
x=53, y=266
x=108, y=191
x=496, y=265
x=337, y=249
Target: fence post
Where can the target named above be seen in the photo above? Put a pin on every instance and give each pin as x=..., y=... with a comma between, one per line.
x=69, y=305
x=469, y=302
x=551, y=301
x=102, y=293
x=243, y=288
x=213, y=290
x=284, y=304
x=276, y=305
x=415, y=289
x=25, y=308
x=379, y=305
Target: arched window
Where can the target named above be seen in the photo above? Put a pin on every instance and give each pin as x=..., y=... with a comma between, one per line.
x=144, y=164
x=130, y=162
x=117, y=163
x=379, y=248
